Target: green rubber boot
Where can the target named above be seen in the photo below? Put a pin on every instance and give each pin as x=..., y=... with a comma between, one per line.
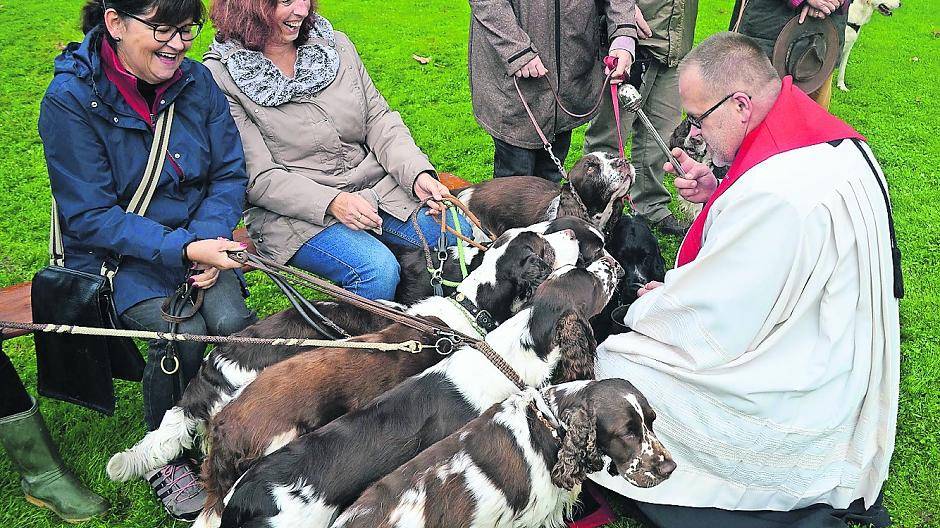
x=46, y=481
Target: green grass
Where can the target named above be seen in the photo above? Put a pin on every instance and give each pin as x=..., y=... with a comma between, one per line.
x=893, y=102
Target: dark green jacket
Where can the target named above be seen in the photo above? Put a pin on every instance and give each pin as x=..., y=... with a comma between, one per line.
x=673, y=26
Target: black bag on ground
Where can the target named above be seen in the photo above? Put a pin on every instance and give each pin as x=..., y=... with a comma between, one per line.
x=79, y=368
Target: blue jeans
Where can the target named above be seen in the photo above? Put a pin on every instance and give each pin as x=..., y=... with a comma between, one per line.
x=360, y=261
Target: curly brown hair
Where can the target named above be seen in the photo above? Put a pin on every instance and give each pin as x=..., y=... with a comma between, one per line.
x=251, y=22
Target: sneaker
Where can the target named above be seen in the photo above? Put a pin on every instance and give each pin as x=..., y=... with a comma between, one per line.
x=178, y=489
x=670, y=225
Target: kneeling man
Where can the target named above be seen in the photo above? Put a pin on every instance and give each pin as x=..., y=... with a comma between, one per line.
x=771, y=352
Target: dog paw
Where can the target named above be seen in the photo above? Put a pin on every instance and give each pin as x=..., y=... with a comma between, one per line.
x=843, y=87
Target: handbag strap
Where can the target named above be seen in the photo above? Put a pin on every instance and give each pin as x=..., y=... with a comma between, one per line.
x=139, y=203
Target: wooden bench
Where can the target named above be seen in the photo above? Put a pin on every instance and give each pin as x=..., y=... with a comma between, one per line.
x=15, y=300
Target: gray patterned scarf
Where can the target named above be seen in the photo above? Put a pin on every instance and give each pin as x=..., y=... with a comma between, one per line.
x=261, y=81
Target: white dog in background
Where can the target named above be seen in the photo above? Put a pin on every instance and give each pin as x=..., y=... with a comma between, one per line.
x=860, y=13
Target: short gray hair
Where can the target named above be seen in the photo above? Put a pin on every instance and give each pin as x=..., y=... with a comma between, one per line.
x=731, y=61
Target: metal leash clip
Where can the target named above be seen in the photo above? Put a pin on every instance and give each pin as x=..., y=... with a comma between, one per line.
x=446, y=343
x=240, y=256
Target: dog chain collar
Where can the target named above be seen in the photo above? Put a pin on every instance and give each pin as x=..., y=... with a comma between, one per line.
x=481, y=319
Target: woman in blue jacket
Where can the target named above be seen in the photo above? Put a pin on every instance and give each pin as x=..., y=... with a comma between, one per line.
x=97, y=124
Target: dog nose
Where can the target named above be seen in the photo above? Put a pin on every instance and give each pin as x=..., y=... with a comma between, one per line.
x=666, y=467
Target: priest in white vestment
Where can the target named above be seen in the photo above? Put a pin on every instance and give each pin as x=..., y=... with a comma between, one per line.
x=771, y=352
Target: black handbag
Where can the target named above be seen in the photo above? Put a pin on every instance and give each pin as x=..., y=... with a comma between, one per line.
x=80, y=368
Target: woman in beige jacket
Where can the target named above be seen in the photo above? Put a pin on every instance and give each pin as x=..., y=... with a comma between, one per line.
x=334, y=174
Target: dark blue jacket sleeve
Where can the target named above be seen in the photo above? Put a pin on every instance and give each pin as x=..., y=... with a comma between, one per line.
x=219, y=212
x=83, y=186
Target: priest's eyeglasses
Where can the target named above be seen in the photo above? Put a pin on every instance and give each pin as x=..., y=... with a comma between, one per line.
x=696, y=121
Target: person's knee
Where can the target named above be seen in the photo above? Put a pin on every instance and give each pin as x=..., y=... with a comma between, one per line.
x=232, y=320
x=378, y=278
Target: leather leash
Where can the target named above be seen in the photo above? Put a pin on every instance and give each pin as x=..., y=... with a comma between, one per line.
x=546, y=144
x=448, y=338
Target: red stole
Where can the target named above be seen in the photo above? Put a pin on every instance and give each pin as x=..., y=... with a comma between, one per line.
x=795, y=121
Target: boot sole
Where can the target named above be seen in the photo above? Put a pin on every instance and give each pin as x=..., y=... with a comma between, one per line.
x=73, y=520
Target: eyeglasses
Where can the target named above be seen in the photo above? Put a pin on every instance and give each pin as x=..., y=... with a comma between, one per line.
x=696, y=121
x=165, y=32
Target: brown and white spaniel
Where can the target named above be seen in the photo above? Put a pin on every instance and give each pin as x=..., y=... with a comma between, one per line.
x=310, y=479
x=230, y=368
x=311, y=389
x=596, y=189
x=508, y=468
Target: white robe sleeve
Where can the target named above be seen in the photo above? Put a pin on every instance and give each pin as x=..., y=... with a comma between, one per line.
x=710, y=311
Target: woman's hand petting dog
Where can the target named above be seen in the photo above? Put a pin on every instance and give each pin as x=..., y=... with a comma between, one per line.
x=699, y=182
x=354, y=211
x=430, y=191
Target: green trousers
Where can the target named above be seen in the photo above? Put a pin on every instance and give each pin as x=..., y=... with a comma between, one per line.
x=660, y=92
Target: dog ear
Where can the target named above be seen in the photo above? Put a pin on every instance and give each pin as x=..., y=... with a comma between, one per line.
x=578, y=455
x=575, y=340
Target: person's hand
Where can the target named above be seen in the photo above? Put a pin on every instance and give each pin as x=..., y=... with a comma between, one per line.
x=699, y=182
x=533, y=68
x=430, y=191
x=650, y=286
x=643, y=30
x=354, y=211
x=212, y=253
x=207, y=278
x=624, y=61
x=818, y=9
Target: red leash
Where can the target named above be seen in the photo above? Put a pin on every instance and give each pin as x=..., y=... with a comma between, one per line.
x=611, y=63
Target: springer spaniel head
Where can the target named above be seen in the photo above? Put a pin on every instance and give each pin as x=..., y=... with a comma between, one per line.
x=561, y=311
x=514, y=266
x=590, y=239
x=602, y=183
x=609, y=417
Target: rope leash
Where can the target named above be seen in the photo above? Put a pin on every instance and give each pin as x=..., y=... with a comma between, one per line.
x=412, y=347
x=447, y=338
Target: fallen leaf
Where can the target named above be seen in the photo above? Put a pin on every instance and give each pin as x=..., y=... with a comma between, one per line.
x=915, y=59
x=422, y=60
x=935, y=33
x=60, y=45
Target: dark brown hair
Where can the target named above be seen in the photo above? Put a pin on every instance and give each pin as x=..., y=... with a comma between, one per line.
x=251, y=22
x=167, y=11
